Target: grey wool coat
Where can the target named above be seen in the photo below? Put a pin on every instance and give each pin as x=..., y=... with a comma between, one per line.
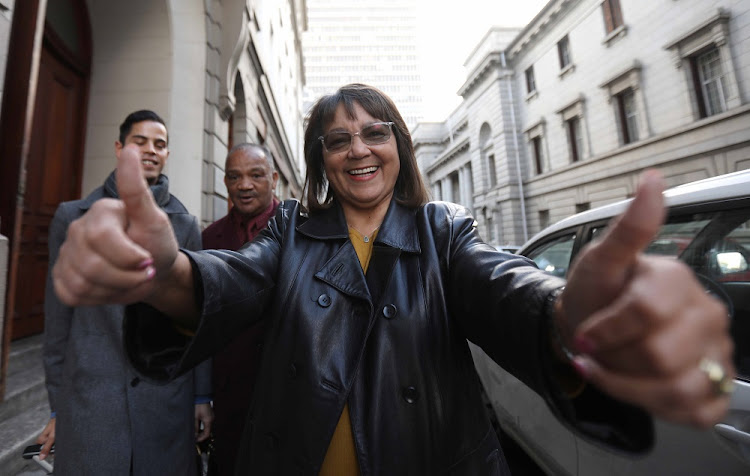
x=107, y=412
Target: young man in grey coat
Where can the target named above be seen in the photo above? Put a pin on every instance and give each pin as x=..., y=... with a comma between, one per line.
x=107, y=419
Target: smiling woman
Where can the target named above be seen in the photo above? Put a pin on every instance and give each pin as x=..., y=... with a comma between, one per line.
x=351, y=110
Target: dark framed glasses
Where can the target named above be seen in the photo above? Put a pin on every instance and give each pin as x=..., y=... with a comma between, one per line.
x=373, y=134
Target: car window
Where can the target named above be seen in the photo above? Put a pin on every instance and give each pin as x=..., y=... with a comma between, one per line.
x=553, y=257
x=730, y=257
x=596, y=231
x=716, y=245
x=726, y=262
x=674, y=237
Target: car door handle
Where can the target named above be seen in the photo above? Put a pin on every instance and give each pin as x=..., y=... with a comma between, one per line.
x=731, y=433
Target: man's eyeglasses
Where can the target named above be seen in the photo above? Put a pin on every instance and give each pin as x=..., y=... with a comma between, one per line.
x=374, y=134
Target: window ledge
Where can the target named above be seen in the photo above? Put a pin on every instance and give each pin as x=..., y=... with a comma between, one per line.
x=532, y=95
x=566, y=70
x=615, y=35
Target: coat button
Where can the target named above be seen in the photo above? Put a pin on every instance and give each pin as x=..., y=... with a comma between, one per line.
x=410, y=394
x=389, y=311
x=324, y=300
x=135, y=382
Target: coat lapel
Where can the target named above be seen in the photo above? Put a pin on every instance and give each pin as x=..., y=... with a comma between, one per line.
x=343, y=270
x=397, y=234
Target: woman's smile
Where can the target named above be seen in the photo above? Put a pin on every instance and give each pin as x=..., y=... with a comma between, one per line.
x=364, y=173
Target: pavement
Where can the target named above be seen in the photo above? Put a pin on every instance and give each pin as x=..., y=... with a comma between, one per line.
x=33, y=468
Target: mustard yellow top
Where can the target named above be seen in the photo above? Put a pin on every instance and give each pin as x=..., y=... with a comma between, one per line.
x=341, y=457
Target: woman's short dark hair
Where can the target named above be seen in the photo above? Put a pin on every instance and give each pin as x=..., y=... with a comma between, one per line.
x=409, y=190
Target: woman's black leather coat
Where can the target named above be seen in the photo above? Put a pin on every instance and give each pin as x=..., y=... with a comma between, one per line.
x=392, y=343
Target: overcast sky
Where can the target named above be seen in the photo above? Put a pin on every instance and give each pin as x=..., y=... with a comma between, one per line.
x=450, y=29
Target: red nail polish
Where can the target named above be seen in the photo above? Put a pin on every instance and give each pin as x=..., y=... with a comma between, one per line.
x=584, y=345
x=145, y=263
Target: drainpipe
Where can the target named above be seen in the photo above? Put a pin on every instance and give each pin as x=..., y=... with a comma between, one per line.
x=518, y=158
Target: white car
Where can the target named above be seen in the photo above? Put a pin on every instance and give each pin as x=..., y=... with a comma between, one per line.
x=708, y=227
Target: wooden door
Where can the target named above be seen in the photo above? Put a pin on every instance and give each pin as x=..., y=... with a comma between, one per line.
x=53, y=175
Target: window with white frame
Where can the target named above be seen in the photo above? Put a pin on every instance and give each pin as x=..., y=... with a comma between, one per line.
x=574, y=125
x=629, y=108
x=487, y=157
x=612, y=15
x=705, y=56
x=535, y=140
x=563, y=52
x=530, y=80
x=627, y=116
x=491, y=171
x=537, y=154
x=710, y=78
x=575, y=138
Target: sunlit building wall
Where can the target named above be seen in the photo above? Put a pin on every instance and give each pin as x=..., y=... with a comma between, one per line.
x=565, y=116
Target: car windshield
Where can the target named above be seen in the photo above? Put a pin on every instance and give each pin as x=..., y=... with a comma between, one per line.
x=673, y=238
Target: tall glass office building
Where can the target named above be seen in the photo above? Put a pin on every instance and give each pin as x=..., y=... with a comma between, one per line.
x=373, y=43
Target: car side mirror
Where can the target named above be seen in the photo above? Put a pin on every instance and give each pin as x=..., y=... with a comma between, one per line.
x=731, y=262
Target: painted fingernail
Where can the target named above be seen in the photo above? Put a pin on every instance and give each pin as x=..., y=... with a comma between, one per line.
x=145, y=263
x=581, y=366
x=584, y=345
x=150, y=272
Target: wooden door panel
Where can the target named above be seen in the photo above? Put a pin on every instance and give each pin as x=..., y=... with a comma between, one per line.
x=53, y=175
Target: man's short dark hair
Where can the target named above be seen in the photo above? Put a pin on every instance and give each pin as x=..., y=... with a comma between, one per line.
x=139, y=116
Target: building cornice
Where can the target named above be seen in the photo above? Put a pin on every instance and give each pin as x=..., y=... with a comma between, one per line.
x=536, y=27
x=442, y=140
x=721, y=18
x=634, y=66
x=580, y=98
x=492, y=62
x=441, y=159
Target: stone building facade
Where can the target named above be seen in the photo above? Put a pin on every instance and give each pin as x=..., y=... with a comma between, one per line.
x=565, y=114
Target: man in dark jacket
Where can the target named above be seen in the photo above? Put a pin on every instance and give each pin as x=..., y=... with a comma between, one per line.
x=250, y=179
x=111, y=421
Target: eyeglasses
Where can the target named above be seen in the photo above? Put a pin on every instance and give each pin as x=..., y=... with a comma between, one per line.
x=374, y=134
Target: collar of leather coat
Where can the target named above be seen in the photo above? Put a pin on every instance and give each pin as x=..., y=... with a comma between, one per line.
x=399, y=228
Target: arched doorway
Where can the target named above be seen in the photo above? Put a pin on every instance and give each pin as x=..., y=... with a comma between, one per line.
x=55, y=158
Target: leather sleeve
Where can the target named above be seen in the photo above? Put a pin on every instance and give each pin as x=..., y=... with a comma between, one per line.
x=232, y=297
x=502, y=306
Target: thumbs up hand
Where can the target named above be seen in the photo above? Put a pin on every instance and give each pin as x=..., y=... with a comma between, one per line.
x=643, y=324
x=113, y=252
